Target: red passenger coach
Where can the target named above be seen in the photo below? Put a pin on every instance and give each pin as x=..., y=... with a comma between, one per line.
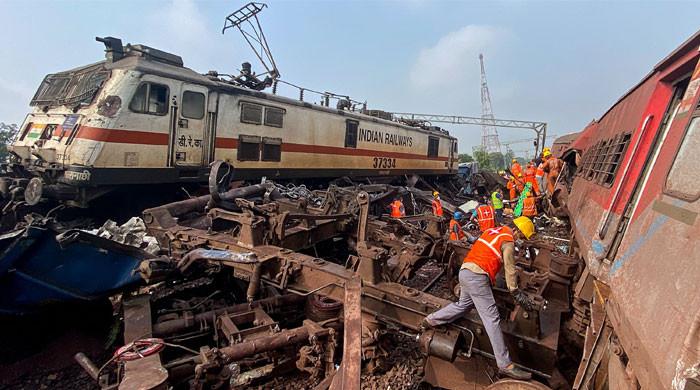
x=633, y=205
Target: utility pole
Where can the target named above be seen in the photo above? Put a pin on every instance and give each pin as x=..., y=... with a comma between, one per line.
x=489, y=134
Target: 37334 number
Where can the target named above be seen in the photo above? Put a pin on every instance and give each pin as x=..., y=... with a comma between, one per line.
x=383, y=162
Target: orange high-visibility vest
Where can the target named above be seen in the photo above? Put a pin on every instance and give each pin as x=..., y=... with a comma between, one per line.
x=516, y=168
x=486, y=251
x=530, y=178
x=397, y=209
x=539, y=172
x=511, y=189
x=437, y=207
x=485, y=215
x=529, y=207
x=456, y=232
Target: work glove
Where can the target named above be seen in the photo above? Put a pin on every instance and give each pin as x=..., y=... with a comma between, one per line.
x=523, y=300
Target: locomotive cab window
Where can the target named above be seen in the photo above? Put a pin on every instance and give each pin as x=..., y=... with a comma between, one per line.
x=193, y=105
x=351, y=133
x=681, y=180
x=433, y=146
x=151, y=99
x=274, y=116
x=251, y=113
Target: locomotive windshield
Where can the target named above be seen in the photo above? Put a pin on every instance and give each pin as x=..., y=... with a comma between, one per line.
x=73, y=87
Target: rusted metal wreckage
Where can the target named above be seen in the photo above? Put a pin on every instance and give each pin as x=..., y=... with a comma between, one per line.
x=259, y=283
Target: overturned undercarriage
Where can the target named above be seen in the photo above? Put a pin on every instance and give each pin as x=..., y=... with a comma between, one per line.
x=258, y=283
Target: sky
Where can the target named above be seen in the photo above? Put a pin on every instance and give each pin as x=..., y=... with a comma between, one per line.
x=560, y=62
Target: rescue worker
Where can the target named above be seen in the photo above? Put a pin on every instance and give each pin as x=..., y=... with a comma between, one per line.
x=456, y=232
x=485, y=216
x=530, y=177
x=494, y=249
x=539, y=174
x=512, y=186
x=552, y=168
x=497, y=203
x=515, y=168
x=437, y=204
x=530, y=206
x=397, y=209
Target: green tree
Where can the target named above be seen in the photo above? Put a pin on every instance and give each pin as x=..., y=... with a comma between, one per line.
x=497, y=162
x=483, y=159
x=7, y=135
x=465, y=158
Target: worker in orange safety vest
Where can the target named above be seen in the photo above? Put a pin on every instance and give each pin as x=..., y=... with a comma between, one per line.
x=437, y=204
x=485, y=216
x=512, y=189
x=552, y=167
x=530, y=177
x=456, y=232
x=516, y=169
x=493, y=250
x=397, y=209
x=530, y=206
x=539, y=174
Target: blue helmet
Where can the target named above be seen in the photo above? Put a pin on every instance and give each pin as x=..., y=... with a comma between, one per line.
x=457, y=215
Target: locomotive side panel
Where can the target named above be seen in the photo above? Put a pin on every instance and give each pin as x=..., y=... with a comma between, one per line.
x=290, y=140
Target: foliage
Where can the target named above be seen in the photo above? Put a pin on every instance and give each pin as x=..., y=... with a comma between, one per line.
x=465, y=158
x=7, y=134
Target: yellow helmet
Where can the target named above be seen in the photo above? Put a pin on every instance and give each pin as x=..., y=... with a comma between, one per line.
x=435, y=194
x=546, y=153
x=520, y=174
x=546, y=149
x=514, y=161
x=525, y=225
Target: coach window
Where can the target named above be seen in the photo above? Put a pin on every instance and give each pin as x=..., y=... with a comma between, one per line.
x=351, y=133
x=151, y=99
x=433, y=146
x=274, y=116
x=682, y=178
x=248, y=148
x=193, y=105
x=251, y=113
x=616, y=151
x=271, y=149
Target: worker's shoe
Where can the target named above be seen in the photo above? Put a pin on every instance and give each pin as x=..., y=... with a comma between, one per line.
x=515, y=373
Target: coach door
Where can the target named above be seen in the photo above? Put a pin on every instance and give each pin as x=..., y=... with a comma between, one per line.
x=190, y=144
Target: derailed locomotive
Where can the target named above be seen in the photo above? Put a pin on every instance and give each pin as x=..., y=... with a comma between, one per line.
x=141, y=118
x=633, y=206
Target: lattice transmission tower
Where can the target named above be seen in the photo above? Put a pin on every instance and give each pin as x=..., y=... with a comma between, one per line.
x=489, y=134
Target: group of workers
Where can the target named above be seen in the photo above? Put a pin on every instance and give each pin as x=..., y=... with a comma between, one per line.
x=541, y=173
x=494, y=250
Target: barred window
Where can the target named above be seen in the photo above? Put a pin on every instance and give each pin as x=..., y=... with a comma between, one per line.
x=274, y=116
x=616, y=150
x=271, y=149
x=351, y=133
x=251, y=113
x=433, y=146
x=602, y=160
x=248, y=148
